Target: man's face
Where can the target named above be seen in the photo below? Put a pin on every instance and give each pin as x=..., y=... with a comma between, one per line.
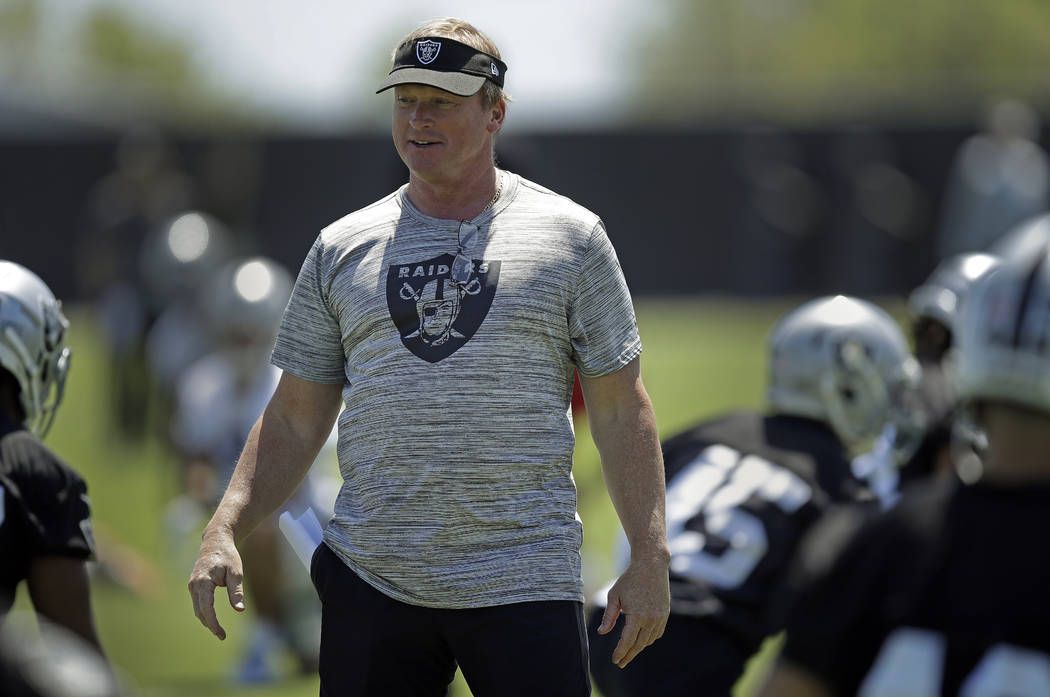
x=440, y=135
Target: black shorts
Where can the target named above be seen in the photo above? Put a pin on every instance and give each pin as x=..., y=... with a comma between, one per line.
x=691, y=659
x=374, y=645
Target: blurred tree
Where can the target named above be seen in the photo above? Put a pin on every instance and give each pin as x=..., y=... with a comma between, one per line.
x=19, y=22
x=800, y=60
x=110, y=65
x=155, y=70
x=117, y=46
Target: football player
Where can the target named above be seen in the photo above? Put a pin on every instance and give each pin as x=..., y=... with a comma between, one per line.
x=177, y=260
x=147, y=184
x=45, y=521
x=742, y=488
x=945, y=593
x=935, y=441
x=218, y=398
x=999, y=177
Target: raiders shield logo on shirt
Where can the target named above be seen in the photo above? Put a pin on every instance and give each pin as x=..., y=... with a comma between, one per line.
x=435, y=315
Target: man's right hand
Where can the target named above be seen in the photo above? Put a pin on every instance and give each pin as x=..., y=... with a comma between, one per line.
x=218, y=564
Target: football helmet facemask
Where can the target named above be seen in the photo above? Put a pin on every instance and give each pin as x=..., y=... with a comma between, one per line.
x=33, y=343
x=843, y=361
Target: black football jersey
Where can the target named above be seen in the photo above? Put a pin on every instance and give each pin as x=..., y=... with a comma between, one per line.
x=742, y=490
x=44, y=508
x=945, y=594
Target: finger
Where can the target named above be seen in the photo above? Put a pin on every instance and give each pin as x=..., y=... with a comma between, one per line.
x=625, y=648
x=662, y=628
x=644, y=639
x=631, y=654
x=649, y=630
x=612, y=612
x=235, y=591
x=203, y=594
x=652, y=629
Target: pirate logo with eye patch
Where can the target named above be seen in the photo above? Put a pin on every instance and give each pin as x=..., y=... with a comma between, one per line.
x=435, y=314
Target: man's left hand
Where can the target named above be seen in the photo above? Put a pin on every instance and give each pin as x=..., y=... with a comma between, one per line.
x=643, y=595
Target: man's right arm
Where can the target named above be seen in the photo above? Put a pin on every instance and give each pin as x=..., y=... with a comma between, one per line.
x=279, y=451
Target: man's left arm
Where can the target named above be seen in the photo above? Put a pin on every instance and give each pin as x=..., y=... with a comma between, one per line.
x=623, y=426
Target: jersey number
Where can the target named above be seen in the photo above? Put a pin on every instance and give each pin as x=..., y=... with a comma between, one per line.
x=911, y=664
x=714, y=485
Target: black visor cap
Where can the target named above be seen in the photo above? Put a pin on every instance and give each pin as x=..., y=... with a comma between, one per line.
x=445, y=64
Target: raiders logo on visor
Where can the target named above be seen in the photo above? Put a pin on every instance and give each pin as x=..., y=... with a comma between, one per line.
x=444, y=63
x=427, y=51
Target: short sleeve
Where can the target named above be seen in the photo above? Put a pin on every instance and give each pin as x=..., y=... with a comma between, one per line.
x=602, y=325
x=56, y=512
x=309, y=343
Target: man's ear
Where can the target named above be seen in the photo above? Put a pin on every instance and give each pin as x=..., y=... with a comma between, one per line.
x=496, y=116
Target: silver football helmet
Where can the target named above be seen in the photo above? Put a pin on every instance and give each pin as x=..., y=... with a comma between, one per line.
x=1004, y=343
x=1030, y=238
x=843, y=361
x=941, y=296
x=33, y=343
x=245, y=299
x=179, y=255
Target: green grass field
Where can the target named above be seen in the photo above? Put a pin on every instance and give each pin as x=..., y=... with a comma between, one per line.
x=701, y=356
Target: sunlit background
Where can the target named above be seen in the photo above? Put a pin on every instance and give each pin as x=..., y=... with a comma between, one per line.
x=821, y=132
x=278, y=65
x=742, y=153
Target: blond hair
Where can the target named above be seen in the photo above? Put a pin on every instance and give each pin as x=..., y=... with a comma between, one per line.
x=465, y=33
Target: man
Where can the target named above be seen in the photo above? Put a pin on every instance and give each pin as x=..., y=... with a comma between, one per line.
x=999, y=178
x=450, y=316
x=945, y=594
x=744, y=487
x=45, y=521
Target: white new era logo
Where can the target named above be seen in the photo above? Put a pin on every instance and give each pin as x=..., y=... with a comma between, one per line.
x=427, y=51
x=494, y=69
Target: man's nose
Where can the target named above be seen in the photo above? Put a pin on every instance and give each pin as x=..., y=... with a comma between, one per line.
x=420, y=116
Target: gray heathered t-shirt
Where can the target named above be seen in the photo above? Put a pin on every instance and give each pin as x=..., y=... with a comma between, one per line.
x=456, y=442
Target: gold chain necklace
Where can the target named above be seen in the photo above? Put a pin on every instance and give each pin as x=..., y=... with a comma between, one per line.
x=495, y=196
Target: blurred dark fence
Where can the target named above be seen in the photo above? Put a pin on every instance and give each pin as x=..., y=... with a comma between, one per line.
x=729, y=212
